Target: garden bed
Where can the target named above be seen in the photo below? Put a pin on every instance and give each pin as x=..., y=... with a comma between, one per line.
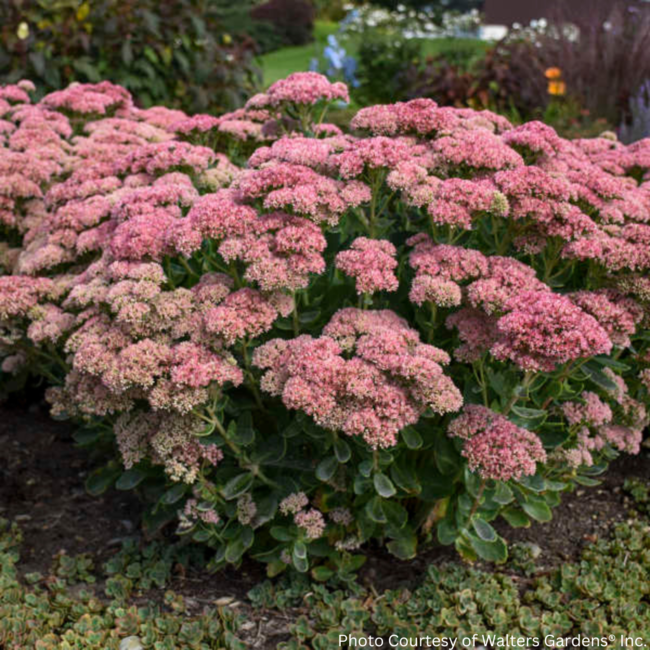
x=345, y=328
x=42, y=487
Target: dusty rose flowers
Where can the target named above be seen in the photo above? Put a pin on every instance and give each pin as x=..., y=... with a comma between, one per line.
x=371, y=263
x=391, y=379
x=543, y=329
x=300, y=88
x=494, y=446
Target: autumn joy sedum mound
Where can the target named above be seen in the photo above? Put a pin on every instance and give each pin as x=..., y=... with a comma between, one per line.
x=299, y=339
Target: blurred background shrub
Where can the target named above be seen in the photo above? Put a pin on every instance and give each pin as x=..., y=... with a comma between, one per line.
x=207, y=55
x=381, y=61
x=174, y=52
x=601, y=57
x=292, y=20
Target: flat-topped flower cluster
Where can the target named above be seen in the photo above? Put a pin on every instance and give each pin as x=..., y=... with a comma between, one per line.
x=303, y=338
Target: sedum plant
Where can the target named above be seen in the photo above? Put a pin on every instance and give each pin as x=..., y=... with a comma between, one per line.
x=302, y=340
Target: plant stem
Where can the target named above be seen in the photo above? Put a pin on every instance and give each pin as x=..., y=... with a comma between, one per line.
x=476, y=503
x=187, y=267
x=480, y=377
x=528, y=377
x=251, y=379
x=294, y=315
x=232, y=270
x=373, y=207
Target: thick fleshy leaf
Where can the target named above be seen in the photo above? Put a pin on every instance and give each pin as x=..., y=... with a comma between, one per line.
x=237, y=486
x=490, y=551
x=383, y=485
x=327, y=468
x=484, y=530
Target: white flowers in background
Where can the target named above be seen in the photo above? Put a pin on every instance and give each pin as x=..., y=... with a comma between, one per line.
x=410, y=23
x=541, y=27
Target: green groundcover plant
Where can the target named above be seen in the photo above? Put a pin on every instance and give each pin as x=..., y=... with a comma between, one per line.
x=303, y=340
x=603, y=595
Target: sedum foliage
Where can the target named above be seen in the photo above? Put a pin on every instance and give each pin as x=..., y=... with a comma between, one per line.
x=50, y=616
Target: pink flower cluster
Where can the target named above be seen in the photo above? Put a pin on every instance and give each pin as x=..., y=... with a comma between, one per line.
x=372, y=263
x=302, y=191
x=280, y=251
x=310, y=521
x=534, y=138
x=166, y=440
x=494, y=446
x=598, y=426
x=136, y=340
x=300, y=88
x=390, y=379
x=242, y=126
x=97, y=99
x=506, y=309
x=19, y=294
x=542, y=330
x=423, y=117
x=617, y=314
x=592, y=410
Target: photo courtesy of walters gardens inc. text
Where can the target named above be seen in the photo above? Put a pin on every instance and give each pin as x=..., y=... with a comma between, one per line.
x=491, y=641
x=325, y=324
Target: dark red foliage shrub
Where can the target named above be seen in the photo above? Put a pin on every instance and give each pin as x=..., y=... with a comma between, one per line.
x=508, y=78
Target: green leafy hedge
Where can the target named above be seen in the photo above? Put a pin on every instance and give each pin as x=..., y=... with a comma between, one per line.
x=174, y=53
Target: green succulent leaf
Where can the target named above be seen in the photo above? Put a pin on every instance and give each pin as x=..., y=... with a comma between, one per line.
x=396, y=514
x=375, y=511
x=537, y=509
x=446, y=456
x=447, y=532
x=322, y=573
x=244, y=432
x=412, y=438
x=484, y=530
x=490, y=551
x=404, y=548
x=130, y=479
x=327, y=468
x=281, y=533
x=101, y=479
x=516, y=517
x=174, y=494
x=528, y=418
x=237, y=486
x=383, y=485
x=503, y=494
x=342, y=451
x=598, y=377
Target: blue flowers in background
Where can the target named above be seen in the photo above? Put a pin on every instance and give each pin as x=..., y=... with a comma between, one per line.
x=338, y=64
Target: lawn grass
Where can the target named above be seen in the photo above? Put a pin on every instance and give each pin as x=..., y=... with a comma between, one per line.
x=277, y=65
x=452, y=46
